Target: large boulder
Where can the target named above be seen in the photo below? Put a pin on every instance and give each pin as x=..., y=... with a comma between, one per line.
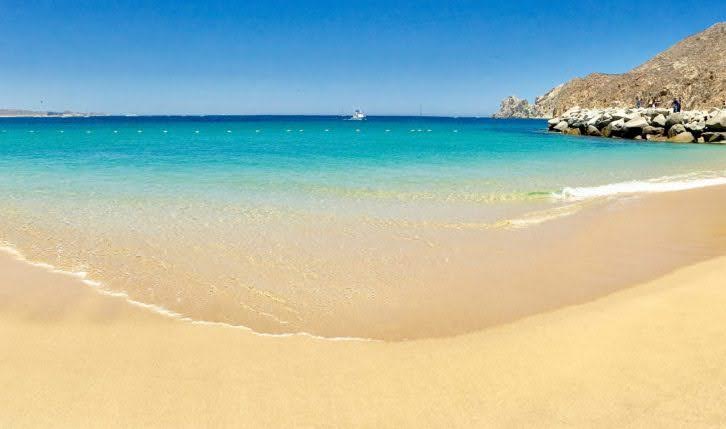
x=714, y=137
x=593, y=131
x=717, y=122
x=655, y=138
x=654, y=131
x=658, y=121
x=614, y=128
x=637, y=122
x=684, y=137
x=603, y=120
x=561, y=126
x=676, y=129
x=675, y=118
x=573, y=131
x=695, y=127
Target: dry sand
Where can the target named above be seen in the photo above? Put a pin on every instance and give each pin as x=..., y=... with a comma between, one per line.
x=650, y=356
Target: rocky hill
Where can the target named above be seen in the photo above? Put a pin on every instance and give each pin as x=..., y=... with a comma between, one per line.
x=694, y=70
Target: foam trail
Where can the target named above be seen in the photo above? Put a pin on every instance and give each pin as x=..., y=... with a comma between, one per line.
x=663, y=184
x=98, y=287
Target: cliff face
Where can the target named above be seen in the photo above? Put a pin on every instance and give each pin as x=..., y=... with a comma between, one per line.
x=694, y=70
x=513, y=107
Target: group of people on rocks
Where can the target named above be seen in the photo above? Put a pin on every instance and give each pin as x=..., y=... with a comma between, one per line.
x=677, y=103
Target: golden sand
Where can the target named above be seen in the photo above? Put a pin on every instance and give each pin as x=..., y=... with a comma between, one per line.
x=650, y=356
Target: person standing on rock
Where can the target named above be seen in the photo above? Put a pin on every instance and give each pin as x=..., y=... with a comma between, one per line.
x=637, y=102
x=676, y=106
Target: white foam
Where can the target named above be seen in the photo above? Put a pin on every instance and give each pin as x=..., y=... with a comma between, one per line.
x=663, y=184
x=98, y=287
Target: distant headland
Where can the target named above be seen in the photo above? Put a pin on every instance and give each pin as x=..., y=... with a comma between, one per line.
x=693, y=70
x=19, y=113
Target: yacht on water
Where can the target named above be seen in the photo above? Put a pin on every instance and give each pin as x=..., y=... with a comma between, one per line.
x=358, y=115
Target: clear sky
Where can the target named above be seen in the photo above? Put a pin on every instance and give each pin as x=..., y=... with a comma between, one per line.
x=318, y=57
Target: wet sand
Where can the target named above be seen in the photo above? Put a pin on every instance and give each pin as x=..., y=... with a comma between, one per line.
x=381, y=278
x=649, y=356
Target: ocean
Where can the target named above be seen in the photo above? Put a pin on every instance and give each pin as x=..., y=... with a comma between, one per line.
x=315, y=224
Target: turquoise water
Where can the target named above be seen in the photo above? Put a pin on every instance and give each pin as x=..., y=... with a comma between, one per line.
x=289, y=224
x=316, y=159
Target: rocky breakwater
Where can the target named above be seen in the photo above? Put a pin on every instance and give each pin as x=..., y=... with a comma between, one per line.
x=653, y=124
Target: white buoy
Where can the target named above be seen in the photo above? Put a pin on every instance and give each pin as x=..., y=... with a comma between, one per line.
x=301, y=130
x=229, y=131
x=456, y=131
x=326, y=130
x=388, y=131
x=196, y=131
x=61, y=131
x=115, y=131
x=139, y=131
x=165, y=131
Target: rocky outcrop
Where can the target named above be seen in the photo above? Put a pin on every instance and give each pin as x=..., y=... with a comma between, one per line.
x=693, y=70
x=513, y=107
x=653, y=124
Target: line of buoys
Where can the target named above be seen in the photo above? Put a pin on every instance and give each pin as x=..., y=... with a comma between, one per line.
x=357, y=130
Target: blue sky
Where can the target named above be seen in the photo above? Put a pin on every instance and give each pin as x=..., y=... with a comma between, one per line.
x=318, y=57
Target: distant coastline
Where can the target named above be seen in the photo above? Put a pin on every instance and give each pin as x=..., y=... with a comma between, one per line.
x=20, y=113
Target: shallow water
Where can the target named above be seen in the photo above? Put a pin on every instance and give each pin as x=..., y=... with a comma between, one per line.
x=316, y=224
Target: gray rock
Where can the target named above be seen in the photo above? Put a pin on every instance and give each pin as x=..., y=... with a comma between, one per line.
x=554, y=121
x=674, y=118
x=695, y=127
x=676, y=129
x=593, y=131
x=713, y=137
x=513, y=107
x=658, y=121
x=656, y=131
x=684, y=137
x=637, y=122
x=717, y=122
x=614, y=128
x=561, y=127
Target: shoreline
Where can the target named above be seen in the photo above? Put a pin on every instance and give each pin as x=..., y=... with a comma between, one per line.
x=572, y=247
x=646, y=355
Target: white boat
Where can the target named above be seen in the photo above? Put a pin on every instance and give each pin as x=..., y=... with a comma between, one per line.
x=358, y=115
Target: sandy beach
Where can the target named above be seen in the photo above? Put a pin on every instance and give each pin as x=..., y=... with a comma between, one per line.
x=648, y=356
